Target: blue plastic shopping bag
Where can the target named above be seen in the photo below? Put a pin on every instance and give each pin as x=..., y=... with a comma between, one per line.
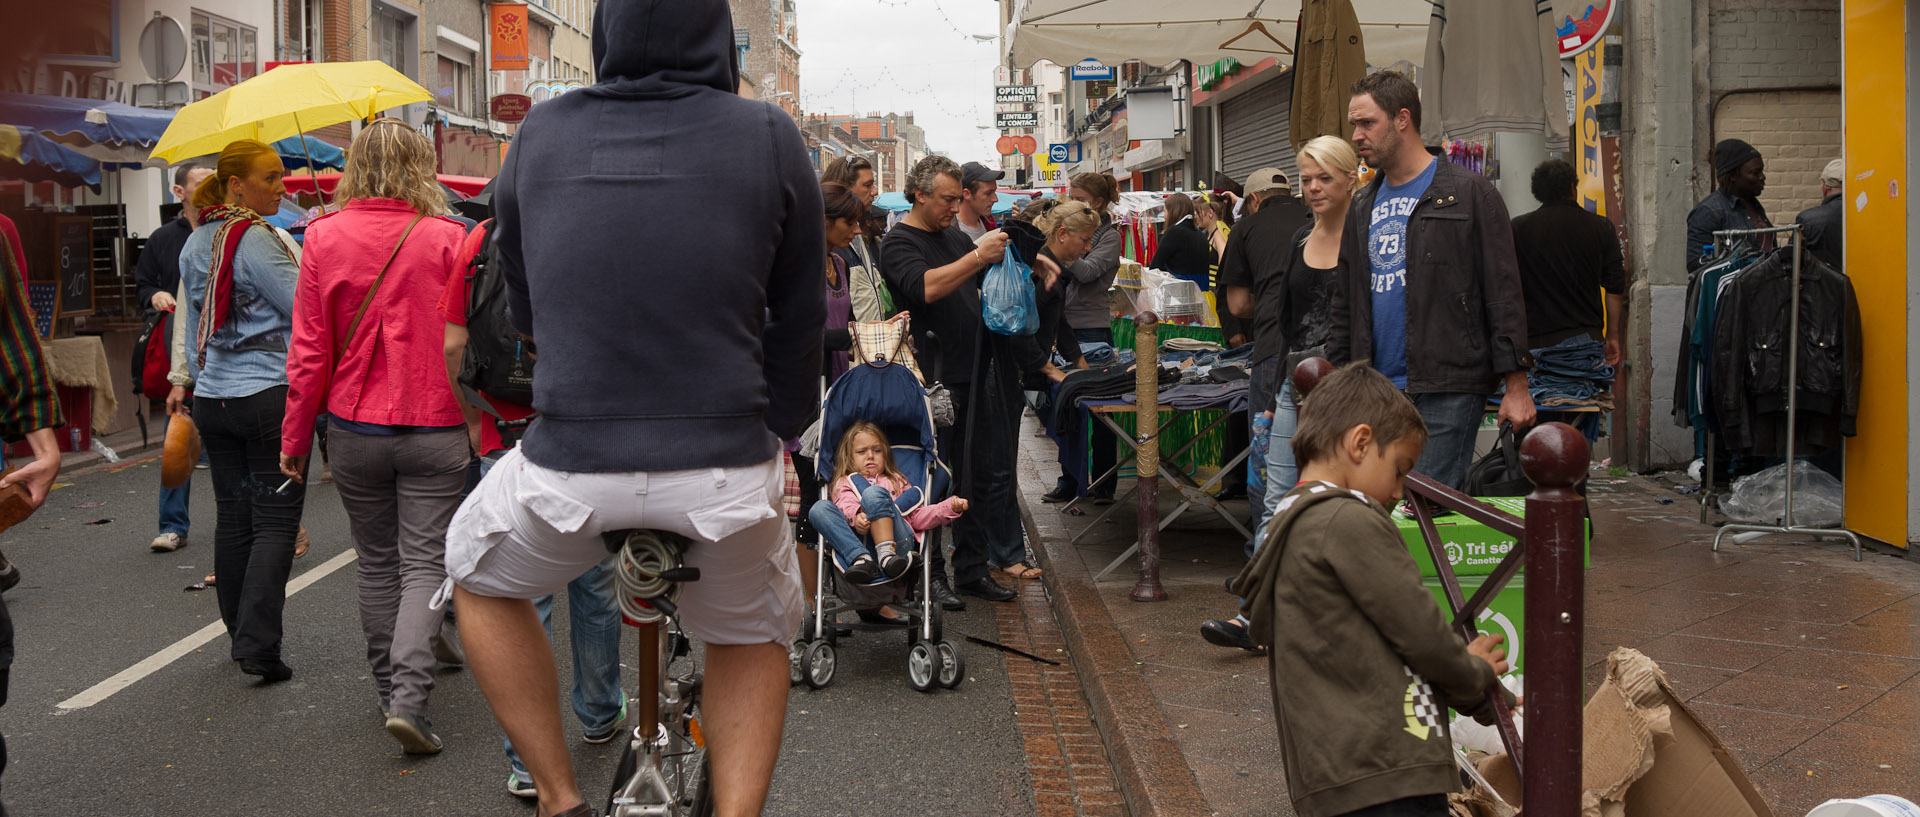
x=1006, y=297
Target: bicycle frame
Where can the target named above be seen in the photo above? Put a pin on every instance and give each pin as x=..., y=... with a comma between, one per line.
x=664, y=729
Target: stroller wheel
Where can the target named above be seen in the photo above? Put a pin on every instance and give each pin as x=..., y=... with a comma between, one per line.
x=923, y=667
x=795, y=660
x=952, y=668
x=818, y=664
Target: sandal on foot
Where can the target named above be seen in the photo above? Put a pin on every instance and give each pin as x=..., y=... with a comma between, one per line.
x=1023, y=571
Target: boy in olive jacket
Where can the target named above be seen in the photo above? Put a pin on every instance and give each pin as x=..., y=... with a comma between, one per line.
x=1363, y=665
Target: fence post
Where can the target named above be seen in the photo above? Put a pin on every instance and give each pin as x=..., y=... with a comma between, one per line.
x=1146, y=388
x=1554, y=457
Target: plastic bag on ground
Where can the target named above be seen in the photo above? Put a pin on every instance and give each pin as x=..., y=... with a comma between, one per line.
x=1761, y=498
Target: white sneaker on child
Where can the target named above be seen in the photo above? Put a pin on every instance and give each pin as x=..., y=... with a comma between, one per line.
x=891, y=562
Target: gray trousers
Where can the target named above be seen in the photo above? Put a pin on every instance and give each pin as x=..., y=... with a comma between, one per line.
x=400, y=493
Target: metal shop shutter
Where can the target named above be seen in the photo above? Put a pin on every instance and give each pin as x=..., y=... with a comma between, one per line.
x=1255, y=131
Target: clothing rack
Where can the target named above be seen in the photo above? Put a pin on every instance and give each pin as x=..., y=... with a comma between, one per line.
x=1793, y=410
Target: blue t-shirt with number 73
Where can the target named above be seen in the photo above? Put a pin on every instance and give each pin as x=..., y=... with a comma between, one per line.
x=1387, y=258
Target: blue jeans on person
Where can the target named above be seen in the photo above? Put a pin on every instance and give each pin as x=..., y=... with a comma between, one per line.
x=834, y=526
x=1282, y=472
x=1453, y=419
x=173, y=501
x=593, y=617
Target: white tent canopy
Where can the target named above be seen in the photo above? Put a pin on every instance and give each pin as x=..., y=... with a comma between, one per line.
x=1159, y=32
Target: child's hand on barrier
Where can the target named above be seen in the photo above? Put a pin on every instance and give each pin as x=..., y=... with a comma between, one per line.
x=861, y=523
x=1487, y=648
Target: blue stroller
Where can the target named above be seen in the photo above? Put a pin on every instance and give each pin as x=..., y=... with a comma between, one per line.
x=883, y=387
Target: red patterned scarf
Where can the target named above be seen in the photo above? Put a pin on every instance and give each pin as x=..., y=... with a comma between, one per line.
x=218, y=302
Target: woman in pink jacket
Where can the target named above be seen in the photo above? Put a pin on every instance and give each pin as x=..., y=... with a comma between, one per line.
x=368, y=350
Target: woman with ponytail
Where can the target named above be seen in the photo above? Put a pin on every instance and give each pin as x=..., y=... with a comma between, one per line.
x=239, y=274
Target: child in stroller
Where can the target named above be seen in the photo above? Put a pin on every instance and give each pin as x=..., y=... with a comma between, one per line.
x=867, y=494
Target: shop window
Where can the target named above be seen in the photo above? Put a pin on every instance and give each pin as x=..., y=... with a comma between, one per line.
x=453, y=83
x=86, y=31
x=224, y=53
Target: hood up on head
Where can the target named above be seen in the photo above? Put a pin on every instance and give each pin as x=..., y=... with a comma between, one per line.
x=663, y=47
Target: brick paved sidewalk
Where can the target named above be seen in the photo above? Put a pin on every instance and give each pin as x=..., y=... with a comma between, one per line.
x=1806, y=663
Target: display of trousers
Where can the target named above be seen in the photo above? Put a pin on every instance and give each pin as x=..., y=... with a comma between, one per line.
x=1101, y=446
x=256, y=523
x=400, y=492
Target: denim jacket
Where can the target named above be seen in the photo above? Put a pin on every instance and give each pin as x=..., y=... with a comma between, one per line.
x=249, y=354
x=1719, y=211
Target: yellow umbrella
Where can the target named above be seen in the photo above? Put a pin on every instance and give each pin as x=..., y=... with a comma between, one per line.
x=286, y=101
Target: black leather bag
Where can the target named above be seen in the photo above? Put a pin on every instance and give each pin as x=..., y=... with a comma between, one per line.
x=1498, y=473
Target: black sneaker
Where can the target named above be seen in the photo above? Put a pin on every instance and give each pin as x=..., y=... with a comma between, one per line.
x=863, y=570
x=1228, y=633
x=9, y=575
x=415, y=734
x=269, y=670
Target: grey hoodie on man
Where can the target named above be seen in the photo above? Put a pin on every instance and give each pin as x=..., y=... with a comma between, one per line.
x=663, y=240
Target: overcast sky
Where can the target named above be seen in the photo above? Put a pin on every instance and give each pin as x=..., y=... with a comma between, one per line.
x=904, y=55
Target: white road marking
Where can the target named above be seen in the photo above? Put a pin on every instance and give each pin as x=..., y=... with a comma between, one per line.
x=185, y=646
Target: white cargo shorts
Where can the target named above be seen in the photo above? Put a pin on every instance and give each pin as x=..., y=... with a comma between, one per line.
x=526, y=531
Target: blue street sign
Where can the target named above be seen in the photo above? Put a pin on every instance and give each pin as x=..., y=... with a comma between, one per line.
x=1057, y=153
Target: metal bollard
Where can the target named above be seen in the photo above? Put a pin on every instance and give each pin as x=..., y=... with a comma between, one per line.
x=1146, y=351
x=1554, y=457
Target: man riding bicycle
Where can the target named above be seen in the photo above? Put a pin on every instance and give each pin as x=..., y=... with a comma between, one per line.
x=661, y=239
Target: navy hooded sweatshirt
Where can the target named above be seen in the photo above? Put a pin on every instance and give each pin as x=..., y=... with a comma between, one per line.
x=663, y=241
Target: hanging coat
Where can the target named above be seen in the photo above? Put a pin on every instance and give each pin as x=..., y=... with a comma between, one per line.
x=1330, y=54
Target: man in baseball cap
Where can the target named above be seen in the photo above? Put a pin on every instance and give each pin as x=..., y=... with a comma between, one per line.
x=1268, y=180
x=1820, y=225
x=979, y=191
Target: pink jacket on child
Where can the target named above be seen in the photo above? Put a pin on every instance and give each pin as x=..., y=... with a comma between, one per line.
x=921, y=519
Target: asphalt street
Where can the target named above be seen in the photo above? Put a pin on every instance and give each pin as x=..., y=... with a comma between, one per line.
x=192, y=735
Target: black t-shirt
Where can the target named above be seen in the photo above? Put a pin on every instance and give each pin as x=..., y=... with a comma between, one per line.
x=906, y=254
x=1309, y=310
x=1567, y=255
x=1258, y=251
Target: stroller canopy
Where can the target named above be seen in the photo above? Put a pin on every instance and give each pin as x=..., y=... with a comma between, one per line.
x=889, y=396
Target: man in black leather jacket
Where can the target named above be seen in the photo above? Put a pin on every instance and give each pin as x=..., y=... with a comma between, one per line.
x=1432, y=288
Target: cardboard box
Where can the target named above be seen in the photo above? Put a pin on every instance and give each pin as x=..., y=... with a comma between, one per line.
x=1502, y=617
x=1644, y=753
x=1472, y=548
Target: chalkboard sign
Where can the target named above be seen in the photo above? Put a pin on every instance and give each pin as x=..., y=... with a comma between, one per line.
x=73, y=261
